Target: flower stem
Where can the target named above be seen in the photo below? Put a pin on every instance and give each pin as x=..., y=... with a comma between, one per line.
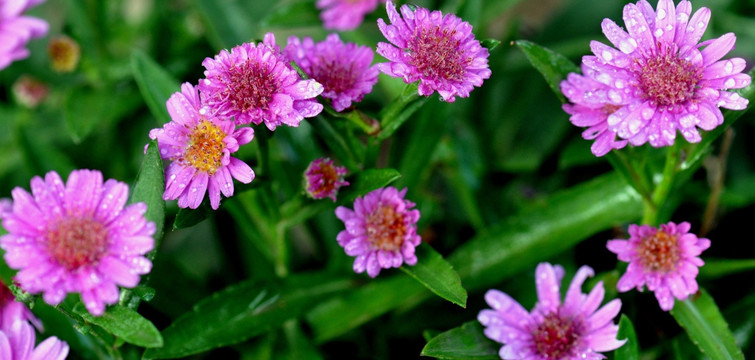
x=662, y=190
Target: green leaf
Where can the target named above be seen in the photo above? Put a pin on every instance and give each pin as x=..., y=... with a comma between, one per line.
x=155, y=84
x=465, y=342
x=399, y=110
x=716, y=268
x=436, y=274
x=148, y=188
x=124, y=323
x=292, y=14
x=337, y=143
x=366, y=181
x=490, y=44
x=630, y=350
x=189, y=217
x=706, y=327
x=87, y=109
x=228, y=23
x=242, y=311
x=553, y=66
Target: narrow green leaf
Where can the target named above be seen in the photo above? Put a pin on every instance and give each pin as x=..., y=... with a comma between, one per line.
x=41, y=156
x=398, y=111
x=336, y=142
x=553, y=66
x=706, y=327
x=242, y=311
x=155, y=84
x=490, y=44
x=87, y=109
x=228, y=23
x=148, y=188
x=436, y=274
x=189, y=217
x=366, y=181
x=465, y=342
x=630, y=350
x=716, y=268
x=292, y=14
x=124, y=323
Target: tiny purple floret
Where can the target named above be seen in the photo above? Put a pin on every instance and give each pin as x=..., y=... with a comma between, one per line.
x=254, y=83
x=77, y=236
x=16, y=30
x=666, y=259
x=659, y=79
x=200, y=147
x=381, y=231
x=323, y=179
x=573, y=330
x=438, y=50
x=343, y=69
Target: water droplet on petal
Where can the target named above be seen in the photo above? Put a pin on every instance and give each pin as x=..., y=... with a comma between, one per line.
x=607, y=56
x=730, y=83
x=729, y=67
x=658, y=32
x=661, y=14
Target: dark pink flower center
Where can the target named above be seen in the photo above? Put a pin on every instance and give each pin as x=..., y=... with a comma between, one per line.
x=659, y=252
x=556, y=336
x=436, y=53
x=77, y=241
x=205, y=149
x=334, y=75
x=385, y=228
x=669, y=80
x=250, y=85
x=327, y=172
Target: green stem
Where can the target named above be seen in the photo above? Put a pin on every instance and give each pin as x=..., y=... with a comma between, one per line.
x=662, y=190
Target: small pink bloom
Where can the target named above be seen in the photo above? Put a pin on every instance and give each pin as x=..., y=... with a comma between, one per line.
x=323, y=179
x=345, y=14
x=381, y=231
x=16, y=30
x=665, y=259
x=12, y=310
x=439, y=51
x=343, y=69
x=200, y=147
x=17, y=343
x=254, y=83
x=573, y=330
x=77, y=236
x=659, y=79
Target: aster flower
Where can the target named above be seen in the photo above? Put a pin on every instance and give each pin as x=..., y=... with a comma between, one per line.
x=660, y=80
x=77, y=236
x=29, y=92
x=200, y=147
x=17, y=343
x=64, y=54
x=439, y=51
x=322, y=179
x=573, y=330
x=381, y=231
x=254, y=83
x=16, y=30
x=665, y=259
x=345, y=14
x=343, y=69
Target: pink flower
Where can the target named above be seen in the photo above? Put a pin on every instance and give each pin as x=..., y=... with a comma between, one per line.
x=665, y=259
x=17, y=343
x=255, y=83
x=77, y=236
x=658, y=81
x=16, y=30
x=345, y=14
x=343, y=69
x=573, y=330
x=381, y=231
x=439, y=51
x=12, y=310
x=200, y=147
x=322, y=179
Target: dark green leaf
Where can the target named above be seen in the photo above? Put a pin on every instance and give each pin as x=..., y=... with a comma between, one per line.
x=630, y=350
x=124, y=323
x=716, y=268
x=41, y=156
x=148, y=188
x=155, y=84
x=228, y=22
x=293, y=14
x=242, y=311
x=86, y=109
x=490, y=44
x=436, y=274
x=399, y=110
x=366, y=181
x=189, y=217
x=553, y=66
x=337, y=143
x=464, y=342
x=706, y=327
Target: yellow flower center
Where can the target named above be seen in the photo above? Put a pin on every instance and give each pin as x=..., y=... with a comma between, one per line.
x=205, y=149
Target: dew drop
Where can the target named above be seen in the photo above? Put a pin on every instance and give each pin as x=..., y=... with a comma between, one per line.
x=661, y=14
x=614, y=96
x=619, y=84
x=647, y=114
x=607, y=56
x=658, y=32
x=613, y=119
x=730, y=83
x=700, y=25
x=729, y=67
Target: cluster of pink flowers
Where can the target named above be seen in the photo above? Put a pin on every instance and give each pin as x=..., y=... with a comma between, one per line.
x=16, y=29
